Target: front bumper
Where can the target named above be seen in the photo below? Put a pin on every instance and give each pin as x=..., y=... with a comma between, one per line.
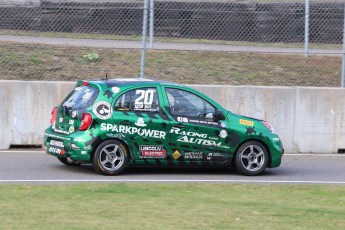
x=277, y=152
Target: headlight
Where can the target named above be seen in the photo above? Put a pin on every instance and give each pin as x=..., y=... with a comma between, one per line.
x=269, y=127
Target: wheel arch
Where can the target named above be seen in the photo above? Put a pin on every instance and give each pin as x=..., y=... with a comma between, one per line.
x=261, y=142
x=117, y=139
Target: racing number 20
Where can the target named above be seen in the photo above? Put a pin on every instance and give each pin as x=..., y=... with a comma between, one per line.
x=145, y=97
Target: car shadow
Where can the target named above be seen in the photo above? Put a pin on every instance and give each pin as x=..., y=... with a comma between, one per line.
x=87, y=169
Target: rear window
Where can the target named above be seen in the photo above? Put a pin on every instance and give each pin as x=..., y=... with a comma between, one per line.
x=81, y=98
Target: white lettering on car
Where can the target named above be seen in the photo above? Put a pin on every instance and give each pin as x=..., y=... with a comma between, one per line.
x=133, y=130
x=194, y=138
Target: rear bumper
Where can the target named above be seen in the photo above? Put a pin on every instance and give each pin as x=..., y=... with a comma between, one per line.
x=77, y=146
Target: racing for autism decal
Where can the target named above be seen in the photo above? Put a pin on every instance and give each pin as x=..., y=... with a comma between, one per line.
x=102, y=110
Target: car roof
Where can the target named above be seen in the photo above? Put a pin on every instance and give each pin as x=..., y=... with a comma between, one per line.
x=130, y=81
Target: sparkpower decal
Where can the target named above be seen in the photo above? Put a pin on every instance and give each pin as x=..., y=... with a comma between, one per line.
x=152, y=151
x=102, y=110
x=133, y=130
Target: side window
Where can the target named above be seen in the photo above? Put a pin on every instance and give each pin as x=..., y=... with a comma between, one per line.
x=184, y=103
x=141, y=100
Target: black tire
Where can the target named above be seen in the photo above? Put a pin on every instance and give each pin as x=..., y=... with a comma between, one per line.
x=251, y=158
x=110, y=158
x=69, y=163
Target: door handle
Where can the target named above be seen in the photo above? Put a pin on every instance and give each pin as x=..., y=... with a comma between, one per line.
x=181, y=126
x=126, y=122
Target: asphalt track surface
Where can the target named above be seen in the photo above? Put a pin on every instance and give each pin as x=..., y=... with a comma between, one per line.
x=37, y=167
x=116, y=44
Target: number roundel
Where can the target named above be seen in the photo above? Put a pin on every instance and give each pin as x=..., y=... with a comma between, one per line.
x=145, y=97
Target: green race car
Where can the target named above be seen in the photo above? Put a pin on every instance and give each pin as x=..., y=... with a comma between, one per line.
x=120, y=123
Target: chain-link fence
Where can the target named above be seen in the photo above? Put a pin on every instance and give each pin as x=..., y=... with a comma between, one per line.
x=249, y=42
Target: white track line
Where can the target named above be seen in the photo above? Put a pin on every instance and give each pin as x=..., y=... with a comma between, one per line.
x=179, y=181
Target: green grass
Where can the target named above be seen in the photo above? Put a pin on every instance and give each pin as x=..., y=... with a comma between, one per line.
x=171, y=206
x=39, y=62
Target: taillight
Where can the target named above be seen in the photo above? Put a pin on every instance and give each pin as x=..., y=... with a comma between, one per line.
x=85, y=83
x=53, y=117
x=85, y=122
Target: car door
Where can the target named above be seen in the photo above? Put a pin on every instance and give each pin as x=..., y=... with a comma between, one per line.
x=198, y=129
x=138, y=119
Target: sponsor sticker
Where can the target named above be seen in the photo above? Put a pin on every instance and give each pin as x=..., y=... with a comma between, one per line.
x=140, y=122
x=74, y=113
x=193, y=155
x=202, y=122
x=182, y=119
x=56, y=151
x=115, y=89
x=176, y=155
x=215, y=156
x=246, y=122
x=74, y=146
x=152, y=151
x=87, y=94
x=71, y=129
x=102, y=110
x=223, y=133
x=56, y=143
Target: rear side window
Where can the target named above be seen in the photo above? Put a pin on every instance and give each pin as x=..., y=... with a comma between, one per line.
x=138, y=100
x=81, y=98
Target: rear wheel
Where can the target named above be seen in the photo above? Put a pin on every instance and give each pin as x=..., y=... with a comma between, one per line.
x=110, y=158
x=251, y=158
x=68, y=162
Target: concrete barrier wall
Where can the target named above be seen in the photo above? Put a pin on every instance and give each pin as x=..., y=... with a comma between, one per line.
x=307, y=119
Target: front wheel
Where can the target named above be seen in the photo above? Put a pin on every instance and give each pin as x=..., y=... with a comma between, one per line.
x=110, y=158
x=251, y=158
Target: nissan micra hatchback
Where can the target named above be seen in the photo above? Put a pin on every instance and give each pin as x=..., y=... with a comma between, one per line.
x=119, y=123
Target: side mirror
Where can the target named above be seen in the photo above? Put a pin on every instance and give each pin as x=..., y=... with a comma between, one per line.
x=218, y=115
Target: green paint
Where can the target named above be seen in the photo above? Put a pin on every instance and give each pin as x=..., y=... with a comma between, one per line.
x=160, y=123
